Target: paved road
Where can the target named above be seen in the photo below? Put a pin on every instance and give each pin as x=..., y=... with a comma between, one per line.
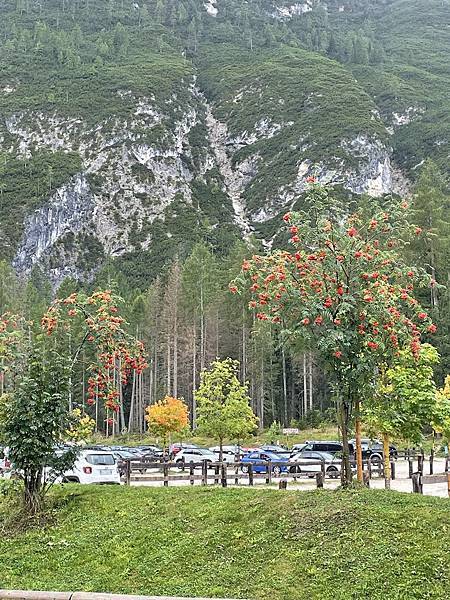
x=401, y=483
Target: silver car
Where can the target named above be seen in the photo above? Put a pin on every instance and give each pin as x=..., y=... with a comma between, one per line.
x=229, y=453
x=310, y=463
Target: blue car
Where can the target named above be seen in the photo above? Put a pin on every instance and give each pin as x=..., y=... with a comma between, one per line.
x=257, y=456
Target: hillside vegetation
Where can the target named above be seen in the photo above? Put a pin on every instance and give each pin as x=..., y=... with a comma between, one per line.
x=257, y=544
x=185, y=115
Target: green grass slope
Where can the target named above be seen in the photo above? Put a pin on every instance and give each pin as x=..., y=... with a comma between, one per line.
x=245, y=543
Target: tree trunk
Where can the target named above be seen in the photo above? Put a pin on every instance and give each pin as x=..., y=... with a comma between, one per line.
x=244, y=348
x=141, y=402
x=305, y=388
x=168, y=364
x=194, y=377
x=175, y=360
x=261, y=396
x=358, y=449
x=310, y=375
x=343, y=416
x=387, y=462
x=32, y=492
x=285, y=400
x=133, y=396
x=120, y=390
x=202, y=330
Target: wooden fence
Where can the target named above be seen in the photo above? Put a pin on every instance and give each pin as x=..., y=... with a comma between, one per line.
x=223, y=473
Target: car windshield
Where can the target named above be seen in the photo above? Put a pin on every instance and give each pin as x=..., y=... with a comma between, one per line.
x=100, y=459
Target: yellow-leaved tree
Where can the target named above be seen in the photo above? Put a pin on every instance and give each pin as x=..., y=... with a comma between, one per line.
x=167, y=417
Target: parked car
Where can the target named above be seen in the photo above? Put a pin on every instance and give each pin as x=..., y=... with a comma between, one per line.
x=176, y=447
x=366, y=447
x=377, y=451
x=373, y=450
x=326, y=446
x=311, y=462
x=195, y=455
x=297, y=448
x=151, y=450
x=278, y=450
x=5, y=464
x=257, y=456
x=229, y=453
x=121, y=457
x=93, y=466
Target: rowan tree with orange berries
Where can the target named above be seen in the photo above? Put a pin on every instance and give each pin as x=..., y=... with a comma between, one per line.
x=117, y=353
x=36, y=412
x=343, y=289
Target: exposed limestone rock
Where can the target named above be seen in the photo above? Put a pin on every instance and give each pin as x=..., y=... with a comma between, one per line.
x=293, y=10
x=69, y=210
x=236, y=178
x=211, y=8
x=143, y=163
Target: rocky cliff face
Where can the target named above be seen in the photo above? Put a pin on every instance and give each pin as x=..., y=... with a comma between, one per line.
x=135, y=168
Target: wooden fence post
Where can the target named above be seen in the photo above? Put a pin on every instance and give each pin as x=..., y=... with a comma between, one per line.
x=128, y=472
x=420, y=464
x=166, y=474
x=431, y=461
x=446, y=464
x=250, y=474
x=410, y=467
x=282, y=485
x=191, y=474
x=223, y=468
x=269, y=472
x=369, y=468
x=319, y=480
x=204, y=472
x=236, y=474
x=322, y=470
x=216, y=474
x=392, y=469
x=448, y=484
x=366, y=478
x=417, y=483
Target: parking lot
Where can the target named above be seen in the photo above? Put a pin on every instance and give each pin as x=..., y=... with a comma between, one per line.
x=267, y=466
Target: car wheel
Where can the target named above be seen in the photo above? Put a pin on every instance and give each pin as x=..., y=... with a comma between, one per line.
x=70, y=480
x=376, y=459
x=276, y=471
x=244, y=468
x=332, y=472
x=179, y=463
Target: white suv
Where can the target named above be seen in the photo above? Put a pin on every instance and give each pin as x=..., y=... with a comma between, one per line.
x=5, y=465
x=195, y=455
x=92, y=466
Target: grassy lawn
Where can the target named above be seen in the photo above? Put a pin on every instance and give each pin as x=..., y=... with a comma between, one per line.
x=256, y=544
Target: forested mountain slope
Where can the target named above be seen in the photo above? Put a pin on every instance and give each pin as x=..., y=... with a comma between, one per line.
x=133, y=129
